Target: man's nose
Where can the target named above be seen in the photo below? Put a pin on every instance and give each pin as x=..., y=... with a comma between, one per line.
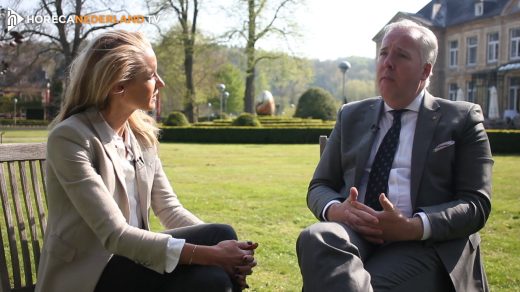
x=388, y=62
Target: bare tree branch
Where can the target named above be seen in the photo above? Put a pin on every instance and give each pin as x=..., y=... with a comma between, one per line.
x=252, y=33
x=265, y=57
x=189, y=33
x=270, y=27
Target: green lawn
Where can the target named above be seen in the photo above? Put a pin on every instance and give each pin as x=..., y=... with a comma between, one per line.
x=23, y=135
x=261, y=189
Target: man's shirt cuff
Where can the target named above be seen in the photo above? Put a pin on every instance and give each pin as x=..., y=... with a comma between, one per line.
x=326, y=208
x=427, y=228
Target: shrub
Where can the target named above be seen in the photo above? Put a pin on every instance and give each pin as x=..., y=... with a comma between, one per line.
x=316, y=103
x=246, y=119
x=176, y=119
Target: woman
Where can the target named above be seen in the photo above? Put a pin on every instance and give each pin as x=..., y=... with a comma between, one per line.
x=103, y=175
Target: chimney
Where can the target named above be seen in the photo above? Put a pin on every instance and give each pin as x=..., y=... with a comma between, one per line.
x=436, y=7
x=479, y=7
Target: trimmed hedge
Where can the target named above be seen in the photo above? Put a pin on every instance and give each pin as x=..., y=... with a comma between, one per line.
x=502, y=141
x=293, y=125
x=23, y=122
x=251, y=135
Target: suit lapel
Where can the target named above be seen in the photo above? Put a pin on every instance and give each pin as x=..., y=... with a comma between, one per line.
x=427, y=121
x=100, y=127
x=369, y=130
x=141, y=176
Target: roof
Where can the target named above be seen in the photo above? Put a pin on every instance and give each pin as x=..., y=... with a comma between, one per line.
x=453, y=12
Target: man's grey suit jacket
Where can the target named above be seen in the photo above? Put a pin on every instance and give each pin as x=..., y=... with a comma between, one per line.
x=450, y=182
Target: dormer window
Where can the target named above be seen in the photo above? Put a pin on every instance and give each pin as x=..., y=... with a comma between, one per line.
x=479, y=8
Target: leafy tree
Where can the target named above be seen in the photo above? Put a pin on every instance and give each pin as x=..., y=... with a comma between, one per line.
x=56, y=93
x=288, y=78
x=170, y=66
x=66, y=38
x=316, y=103
x=169, y=51
x=261, y=83
x=232, y=77
x=264, y=18
x=359, y=78
x=188, y=24
x=360, y=89
x=6, y=104
x=60, y=41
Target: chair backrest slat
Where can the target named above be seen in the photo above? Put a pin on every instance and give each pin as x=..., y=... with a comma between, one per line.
x=22, y=227
x=31, y=220
x=36, y=189
x=10, y=229
x=323, y=143
x=22, y=151
x=23, y=196
x=4, y=273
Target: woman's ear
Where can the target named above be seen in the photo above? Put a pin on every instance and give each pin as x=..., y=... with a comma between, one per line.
x=117, y=89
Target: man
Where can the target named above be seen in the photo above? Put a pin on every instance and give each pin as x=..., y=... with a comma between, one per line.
x=405, y=219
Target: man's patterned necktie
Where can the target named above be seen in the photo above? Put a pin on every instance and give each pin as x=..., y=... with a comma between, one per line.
x=378, y=178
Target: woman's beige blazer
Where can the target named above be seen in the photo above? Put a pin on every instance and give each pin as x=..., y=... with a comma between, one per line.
x=89, y=209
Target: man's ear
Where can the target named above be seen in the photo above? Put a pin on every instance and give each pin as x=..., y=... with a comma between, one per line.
x=117, y=89
x=427, y=71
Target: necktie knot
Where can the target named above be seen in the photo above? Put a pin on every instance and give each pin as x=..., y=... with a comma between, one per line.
x=397, y=113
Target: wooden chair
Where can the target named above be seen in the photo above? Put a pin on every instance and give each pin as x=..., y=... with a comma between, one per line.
x=323, y=143
x=23, y=220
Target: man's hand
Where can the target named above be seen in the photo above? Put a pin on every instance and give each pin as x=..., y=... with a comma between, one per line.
x=393, y=224
x=358, y=219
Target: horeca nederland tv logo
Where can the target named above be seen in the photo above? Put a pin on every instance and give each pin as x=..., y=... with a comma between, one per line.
x=9, y=19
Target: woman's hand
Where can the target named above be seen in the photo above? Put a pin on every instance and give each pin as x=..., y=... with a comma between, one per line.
x=247, y=269
x=237, y=259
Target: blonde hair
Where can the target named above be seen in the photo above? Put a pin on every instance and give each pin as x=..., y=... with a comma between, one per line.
x=113, y=57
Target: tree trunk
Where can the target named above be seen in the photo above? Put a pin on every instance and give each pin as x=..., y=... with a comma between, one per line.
x=191, y=105
x=249, y=95
x=188, y=36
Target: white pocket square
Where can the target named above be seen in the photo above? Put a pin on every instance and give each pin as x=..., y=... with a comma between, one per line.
x=443, y=145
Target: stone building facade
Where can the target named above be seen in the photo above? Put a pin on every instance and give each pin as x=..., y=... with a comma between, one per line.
x=479, y=53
